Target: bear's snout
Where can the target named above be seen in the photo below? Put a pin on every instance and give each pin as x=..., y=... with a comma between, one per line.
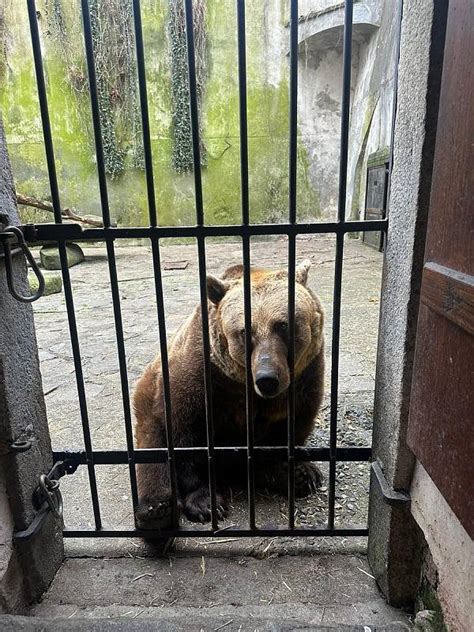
x=270, y=370
x=267, y=383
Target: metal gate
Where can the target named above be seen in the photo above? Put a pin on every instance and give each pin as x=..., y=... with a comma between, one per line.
x=67, y=462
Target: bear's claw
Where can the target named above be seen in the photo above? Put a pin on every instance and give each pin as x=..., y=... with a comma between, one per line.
x=153, y=514
x=197, y=506
x=308, y=478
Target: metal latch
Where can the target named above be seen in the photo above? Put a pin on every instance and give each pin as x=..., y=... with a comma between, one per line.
x=47, y=498
x=7, y=235
x=390, y=496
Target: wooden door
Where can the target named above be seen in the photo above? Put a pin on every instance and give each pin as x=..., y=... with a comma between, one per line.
x=441, y=424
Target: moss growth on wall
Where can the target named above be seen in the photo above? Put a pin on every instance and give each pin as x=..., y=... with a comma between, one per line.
x=71, y=124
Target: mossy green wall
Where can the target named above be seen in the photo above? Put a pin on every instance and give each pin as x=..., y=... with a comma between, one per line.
x=70, y=118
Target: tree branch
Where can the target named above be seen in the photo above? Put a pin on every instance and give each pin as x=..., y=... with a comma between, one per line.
x=69, y=213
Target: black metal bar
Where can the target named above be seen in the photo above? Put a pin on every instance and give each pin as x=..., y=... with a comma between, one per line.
x=53, y=232
x=104, y=199
x=96, y=123
x=292, y=171
x=160, y=455
x=122, y=357
x=244, y=180
x=336, y=324
x=43, y=103
x=244, y=158
x=194, y=110
x=76, y=352
x=293, y=121
x=53, y=183
x=188, y=6
x=156, y=255
x=145, y=118
x=219, y=533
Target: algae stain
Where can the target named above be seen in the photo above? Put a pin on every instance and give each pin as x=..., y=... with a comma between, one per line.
x=268, y=108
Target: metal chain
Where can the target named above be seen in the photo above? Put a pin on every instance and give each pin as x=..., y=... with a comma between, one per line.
x=49, y=489
x=47, y=498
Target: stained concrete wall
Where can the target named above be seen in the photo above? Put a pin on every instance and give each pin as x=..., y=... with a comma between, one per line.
x=320, y=38
x=451, y=548
x=374, y=46
x=66, y=80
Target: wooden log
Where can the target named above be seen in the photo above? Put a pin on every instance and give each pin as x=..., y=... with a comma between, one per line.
x=69, y=213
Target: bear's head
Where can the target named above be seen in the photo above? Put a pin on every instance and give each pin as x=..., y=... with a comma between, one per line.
x=269, y=298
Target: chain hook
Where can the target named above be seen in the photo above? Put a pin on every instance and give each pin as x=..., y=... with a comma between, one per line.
x=52, y=495
x=9, y=267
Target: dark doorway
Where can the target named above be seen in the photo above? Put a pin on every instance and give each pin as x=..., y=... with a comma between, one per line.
x=375, y=201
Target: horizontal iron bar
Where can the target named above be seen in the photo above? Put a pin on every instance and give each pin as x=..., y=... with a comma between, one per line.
x=74, y=232
x=220, y=533
x=160, y=455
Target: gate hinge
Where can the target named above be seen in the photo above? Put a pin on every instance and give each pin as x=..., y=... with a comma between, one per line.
x=47, y=498
x=390, y=496
x=15, y=235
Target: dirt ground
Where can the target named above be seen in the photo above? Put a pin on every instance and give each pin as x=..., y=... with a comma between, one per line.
x=91, y=285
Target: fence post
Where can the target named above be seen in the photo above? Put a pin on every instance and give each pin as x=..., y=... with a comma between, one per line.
x=393, y=534
x=26, y=567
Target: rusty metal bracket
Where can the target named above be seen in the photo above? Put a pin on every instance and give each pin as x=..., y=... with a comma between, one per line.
x=6, y=236
x=390, y=496
x=47, y=499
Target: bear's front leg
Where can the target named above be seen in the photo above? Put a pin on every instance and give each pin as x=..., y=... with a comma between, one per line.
x=155, y=507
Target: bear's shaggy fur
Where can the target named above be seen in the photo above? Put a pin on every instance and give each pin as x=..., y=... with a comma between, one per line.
x=270, y=372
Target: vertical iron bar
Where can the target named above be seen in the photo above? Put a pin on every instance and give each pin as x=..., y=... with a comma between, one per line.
x=341, y=215
x=244, y=179
x=201, y=254
x=43, y=102
x=155, y=244
x=292, y=167
x=53, y=183
x=145, y=119
x=104, y=199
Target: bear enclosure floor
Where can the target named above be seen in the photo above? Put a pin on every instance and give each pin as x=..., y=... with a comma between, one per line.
x=93, y=306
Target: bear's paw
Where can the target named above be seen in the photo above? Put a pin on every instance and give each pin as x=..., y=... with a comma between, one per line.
x=197, y=505
x=308, y=479
x=154, y=514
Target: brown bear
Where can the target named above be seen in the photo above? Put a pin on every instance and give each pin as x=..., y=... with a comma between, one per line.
x=270, y=372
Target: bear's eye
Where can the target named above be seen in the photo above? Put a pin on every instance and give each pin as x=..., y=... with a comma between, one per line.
x=242, y=333
x=281, y=328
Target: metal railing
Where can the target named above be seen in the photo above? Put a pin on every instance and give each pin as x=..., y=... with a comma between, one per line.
x=60, y=233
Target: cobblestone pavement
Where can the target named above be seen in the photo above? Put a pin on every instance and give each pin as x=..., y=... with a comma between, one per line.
x=92, y=295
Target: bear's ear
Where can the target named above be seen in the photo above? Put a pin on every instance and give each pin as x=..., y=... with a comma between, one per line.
x=216, y=289
x=302, y=272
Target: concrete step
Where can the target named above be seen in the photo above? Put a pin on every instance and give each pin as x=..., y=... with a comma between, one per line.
x=204, y=623
x=205, y=592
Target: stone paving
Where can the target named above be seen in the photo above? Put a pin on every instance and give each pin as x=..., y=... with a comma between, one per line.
x=92, y=295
